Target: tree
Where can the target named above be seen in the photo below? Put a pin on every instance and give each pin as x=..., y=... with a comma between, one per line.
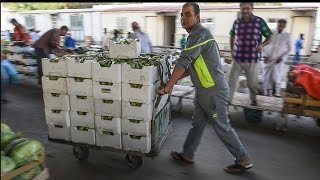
x=47, y=6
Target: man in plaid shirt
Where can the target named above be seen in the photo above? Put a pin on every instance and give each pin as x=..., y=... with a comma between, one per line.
x=245, y=43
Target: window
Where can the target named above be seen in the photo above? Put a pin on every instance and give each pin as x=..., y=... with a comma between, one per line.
x=272, y=20
x=54, y=19
x=30, y=22
x=275, y=20
x=121, y=23
x=208, y=23
x=76, y=22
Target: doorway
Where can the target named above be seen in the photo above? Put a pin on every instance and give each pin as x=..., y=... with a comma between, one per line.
x=169, y=31
x=302, y=25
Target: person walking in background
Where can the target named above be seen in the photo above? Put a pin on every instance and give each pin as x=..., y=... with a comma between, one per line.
x=201, y=60
x=298, y=46
x=183, y=41
x=47, y=42
x=116, y=35
x=245, y=43
x=105, y=39
x=146, y=45
x=20, y=33
x=276, y=54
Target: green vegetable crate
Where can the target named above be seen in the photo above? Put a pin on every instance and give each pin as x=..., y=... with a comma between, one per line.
x=44, y=174
x=131, y=47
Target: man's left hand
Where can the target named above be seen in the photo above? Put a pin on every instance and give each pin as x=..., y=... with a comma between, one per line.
x=163, y=90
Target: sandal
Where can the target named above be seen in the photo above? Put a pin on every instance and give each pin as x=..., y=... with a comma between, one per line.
x=179, y=156
x=237, y=168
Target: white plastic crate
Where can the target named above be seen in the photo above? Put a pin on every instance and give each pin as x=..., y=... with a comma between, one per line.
x=101, y=91
x=83, y=118
x=109, y=138
x=106, y=74
x=124, y=51
x=25, y=49
x=76, y=69
x=82, y=103
x=135, y=142
x=59, y=131
x=29, y=61
x=144, y=94
x=54, y=86
x=10, y=56
x=54, y=68
x=30, y=69
x=108, y=122
x=86, y=136
x=144, y=112
x=138, y=126
x=57, y=116
x=108, y=107
x=148, y=75
x=20, y=68
x=83, y=88
x=56, y=101
x=17, y=57
x=11, y=48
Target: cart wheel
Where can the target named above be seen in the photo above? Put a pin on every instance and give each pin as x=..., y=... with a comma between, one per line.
x=134, y=162
x=81, y=152
x=318, y=121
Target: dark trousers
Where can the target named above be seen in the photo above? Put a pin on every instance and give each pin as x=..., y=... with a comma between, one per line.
x=296, y=59
x=39, y=55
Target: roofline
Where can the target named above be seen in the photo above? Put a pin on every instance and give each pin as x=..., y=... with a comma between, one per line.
x=57, y=11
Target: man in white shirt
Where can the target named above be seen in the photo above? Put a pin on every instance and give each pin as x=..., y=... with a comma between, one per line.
x=275, y=55
x=146, y=46
x=34, y=35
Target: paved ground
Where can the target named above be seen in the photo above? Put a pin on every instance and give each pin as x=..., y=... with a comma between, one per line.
x=294, y=155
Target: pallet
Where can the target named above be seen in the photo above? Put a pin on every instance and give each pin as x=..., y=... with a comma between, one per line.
x=311, y=113
x=42, y=176
x=293, y=100
x=291, y=110
x=309, y=101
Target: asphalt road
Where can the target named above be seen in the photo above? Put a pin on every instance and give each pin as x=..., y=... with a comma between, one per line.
x=294, y=155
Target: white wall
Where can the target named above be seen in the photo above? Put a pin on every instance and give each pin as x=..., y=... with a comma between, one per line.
x=96, y=27
x=108, y=20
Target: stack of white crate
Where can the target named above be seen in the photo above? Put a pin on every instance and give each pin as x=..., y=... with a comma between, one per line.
x=103, y=106
x=107, y=98
x=80, y=92
x=25, y=62
x=56, y=99
x=139, y=89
